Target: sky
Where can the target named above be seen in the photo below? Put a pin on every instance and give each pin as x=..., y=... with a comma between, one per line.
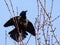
x=31, y=7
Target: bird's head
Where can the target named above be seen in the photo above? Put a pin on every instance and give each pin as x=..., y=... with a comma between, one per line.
x=23, y=13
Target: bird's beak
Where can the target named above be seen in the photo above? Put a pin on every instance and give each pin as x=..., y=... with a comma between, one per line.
x=26, y=11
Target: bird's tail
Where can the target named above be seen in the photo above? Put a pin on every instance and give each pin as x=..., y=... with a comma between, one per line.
x=15, y=35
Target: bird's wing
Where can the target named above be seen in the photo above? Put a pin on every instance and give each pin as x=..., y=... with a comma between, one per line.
x=15, y=35
x=30, y=28
x=10, y=22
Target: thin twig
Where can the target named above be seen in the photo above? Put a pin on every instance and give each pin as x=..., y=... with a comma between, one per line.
x=16, y=22
x=5, y=37
x=55, y=18
x=17, y=10
x=51, y=7
x=55, y=35
x=28, y=40
x=8, y=7
x=45, y=4
x=12, y=7
x=44, y=9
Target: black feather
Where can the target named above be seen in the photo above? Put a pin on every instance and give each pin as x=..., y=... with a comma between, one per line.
x=24, y=26
x=15, y=35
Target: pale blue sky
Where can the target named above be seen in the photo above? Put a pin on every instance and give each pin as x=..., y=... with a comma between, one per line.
x=31, y=6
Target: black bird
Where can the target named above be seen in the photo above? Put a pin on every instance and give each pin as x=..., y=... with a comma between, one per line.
x=13, y=20
x=21, y=23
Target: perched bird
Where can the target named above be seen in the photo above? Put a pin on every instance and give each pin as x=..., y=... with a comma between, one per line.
x=23, y=24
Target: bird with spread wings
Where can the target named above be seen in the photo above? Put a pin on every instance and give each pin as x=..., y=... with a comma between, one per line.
x=21, y=24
